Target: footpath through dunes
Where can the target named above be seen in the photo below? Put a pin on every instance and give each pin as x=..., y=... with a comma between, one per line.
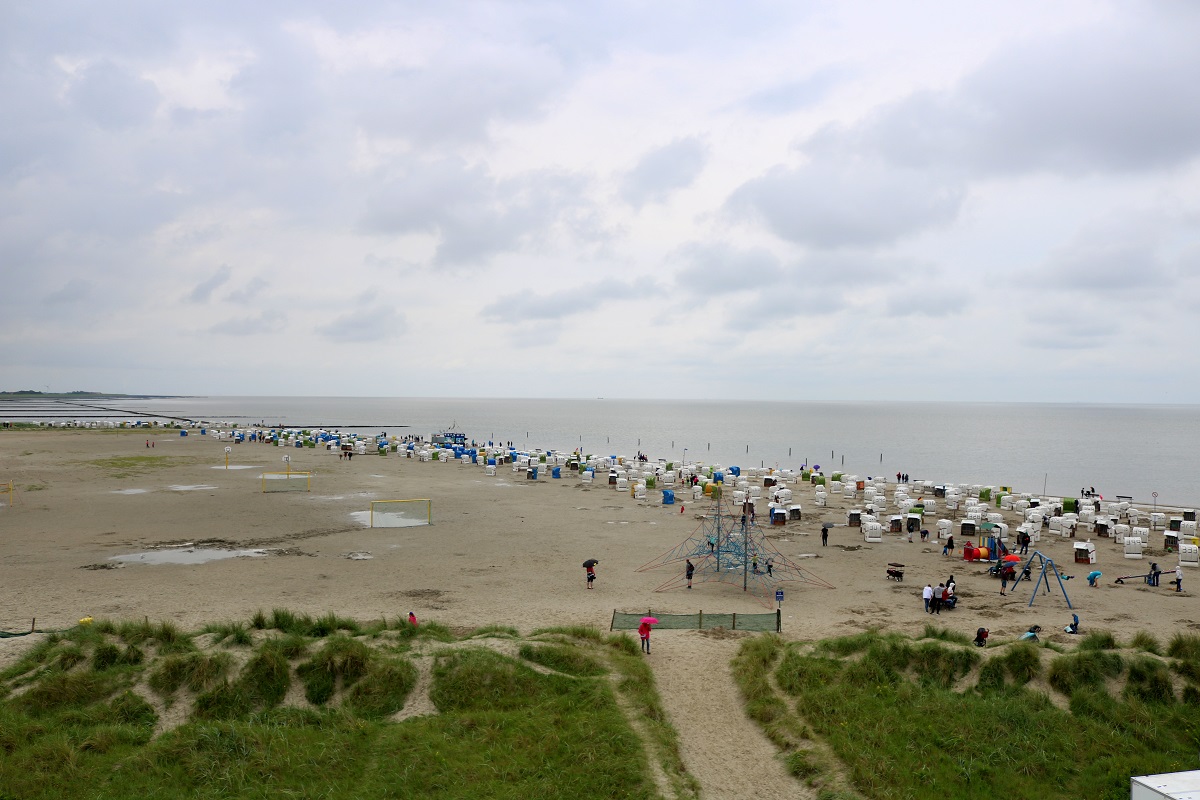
x=721, y=747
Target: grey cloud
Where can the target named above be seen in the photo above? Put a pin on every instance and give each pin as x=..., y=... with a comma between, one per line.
x=1077, y=323
x=1116, y=255
x=475, y=215
x=372, y=324
x=719, y=268
x=73, y=291
x=847, y=203
x=266, y=322
x=926, y=301
x=520, y=308
x=113, y=98
x=663, y=171
x=1090, y=100
x=202, y=292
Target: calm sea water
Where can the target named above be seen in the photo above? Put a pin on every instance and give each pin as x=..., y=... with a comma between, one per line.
x=1128, y=450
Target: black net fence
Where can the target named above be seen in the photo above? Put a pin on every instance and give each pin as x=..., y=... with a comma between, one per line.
x=701, y=620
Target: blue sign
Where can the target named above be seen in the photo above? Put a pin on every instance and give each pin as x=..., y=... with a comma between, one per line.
x=779, y=595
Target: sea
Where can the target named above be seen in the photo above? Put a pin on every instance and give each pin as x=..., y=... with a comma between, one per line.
x=1148, y=452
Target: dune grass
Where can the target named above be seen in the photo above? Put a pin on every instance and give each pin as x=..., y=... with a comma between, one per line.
x=908, y=719
x=78, y=729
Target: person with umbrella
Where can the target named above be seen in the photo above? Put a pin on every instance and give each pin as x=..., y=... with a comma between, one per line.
x=590, y=567
x=644, y=633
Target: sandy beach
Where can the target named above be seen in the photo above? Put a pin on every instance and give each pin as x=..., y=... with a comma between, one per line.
x=502, y=549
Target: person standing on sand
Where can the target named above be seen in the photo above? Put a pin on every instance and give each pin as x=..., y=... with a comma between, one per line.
x=948, y=548
x=1179, y=577
x=591, y=573
x=927, y=596
x=412, y=619
x=689, y=571
x=824, y=536
x=644, y=635
x=937, y=599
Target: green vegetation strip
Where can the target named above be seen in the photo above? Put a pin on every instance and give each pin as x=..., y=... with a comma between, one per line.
x=78, y=713
x=133, y=466
x=936, y=717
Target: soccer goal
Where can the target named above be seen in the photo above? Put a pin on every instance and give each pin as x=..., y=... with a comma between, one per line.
x=287, y=482
x=401, y=513
x=6, y=491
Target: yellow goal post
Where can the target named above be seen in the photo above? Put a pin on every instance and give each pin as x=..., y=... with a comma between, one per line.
x=287, y=481
x=401, y=513
x=6, y=488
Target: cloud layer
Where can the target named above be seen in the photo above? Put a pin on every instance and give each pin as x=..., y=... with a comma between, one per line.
x=664, y=199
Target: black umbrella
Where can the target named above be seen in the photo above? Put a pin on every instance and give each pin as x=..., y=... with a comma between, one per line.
x=591, y=562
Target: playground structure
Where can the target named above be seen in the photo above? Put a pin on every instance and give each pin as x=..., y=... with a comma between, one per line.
x=401, y=513
x=1046, y=564
x=726, y=549
x=287, y=482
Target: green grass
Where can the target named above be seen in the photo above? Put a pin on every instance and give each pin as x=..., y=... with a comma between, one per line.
x=341, y=659
x=77, y=728
x=563, y=658
x=1098, y=640
x=946, y=635
x=902, y=726
x=1185, y=646
x=1146, y=642
x=135, y=466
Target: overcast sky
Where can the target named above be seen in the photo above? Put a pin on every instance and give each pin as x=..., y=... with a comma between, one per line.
x=805, y=201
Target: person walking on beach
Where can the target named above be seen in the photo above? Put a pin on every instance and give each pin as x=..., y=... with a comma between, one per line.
x=948, y=548
x=644, y=635
x=770, y=565
x=897, y=477
x=1179, y=577
x=1003, y=581
x=824, y=535
x=927, y=596
x=690, y=570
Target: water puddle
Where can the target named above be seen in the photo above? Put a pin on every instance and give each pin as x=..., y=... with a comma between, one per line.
x=198, y=487
x=130, y=491
x=237, y=466
x=361, y=517
x=186, y=555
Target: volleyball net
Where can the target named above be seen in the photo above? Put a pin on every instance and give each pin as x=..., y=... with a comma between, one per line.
x=401, y=513
x=287, y=481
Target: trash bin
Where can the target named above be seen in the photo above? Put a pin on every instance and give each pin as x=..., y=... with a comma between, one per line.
x=556, y=472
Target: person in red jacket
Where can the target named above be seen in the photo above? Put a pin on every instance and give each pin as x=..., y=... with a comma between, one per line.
x=644, y=633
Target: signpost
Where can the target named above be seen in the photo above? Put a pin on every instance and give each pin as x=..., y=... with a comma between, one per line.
x=778, y=598
x=287, y=460
x=228, y=450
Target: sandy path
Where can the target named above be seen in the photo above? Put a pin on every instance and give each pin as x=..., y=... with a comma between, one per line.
x=721, y=746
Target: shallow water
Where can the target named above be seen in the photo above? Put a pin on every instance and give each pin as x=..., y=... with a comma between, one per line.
x=189, y=555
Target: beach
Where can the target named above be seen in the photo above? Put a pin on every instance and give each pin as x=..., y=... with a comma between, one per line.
x=501, y=549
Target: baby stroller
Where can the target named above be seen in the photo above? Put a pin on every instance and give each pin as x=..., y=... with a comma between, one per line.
x=895, y=572
x=981, y=637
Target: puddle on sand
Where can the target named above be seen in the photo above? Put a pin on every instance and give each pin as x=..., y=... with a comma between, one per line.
x=197, y=487
x=188, y=555
x=237, y=466
x=130, y=491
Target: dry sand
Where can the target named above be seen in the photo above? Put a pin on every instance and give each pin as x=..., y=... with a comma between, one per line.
x=501, y=550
